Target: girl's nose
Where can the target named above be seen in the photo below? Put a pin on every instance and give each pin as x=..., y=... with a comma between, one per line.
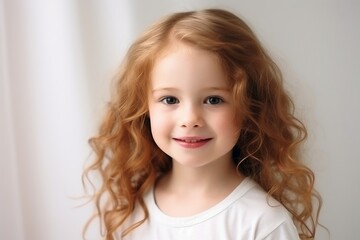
x=191, y=117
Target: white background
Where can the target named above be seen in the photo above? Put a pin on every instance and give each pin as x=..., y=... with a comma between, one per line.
x=57, y=59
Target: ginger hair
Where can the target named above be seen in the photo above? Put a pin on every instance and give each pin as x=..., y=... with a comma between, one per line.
x=267, y=150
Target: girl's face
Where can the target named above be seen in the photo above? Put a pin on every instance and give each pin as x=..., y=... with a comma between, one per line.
x=190, y=106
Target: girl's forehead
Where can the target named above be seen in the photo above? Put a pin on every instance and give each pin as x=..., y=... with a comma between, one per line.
x=185, y=64
x=176, y=50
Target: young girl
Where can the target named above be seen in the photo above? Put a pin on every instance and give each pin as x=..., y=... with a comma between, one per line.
x=199, y=140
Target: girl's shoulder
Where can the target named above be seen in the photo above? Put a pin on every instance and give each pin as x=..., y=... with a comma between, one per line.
x=250, y=201
x=261, y=214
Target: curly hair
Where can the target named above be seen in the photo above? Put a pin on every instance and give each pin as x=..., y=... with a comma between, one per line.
x=267, y=150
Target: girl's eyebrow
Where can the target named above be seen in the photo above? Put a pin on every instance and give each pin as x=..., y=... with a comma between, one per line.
x=164, y=89
x=225, y=89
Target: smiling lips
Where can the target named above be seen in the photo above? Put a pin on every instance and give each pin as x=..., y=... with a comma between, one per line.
x=192, y=142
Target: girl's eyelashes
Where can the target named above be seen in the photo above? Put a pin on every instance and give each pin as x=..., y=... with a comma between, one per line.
x=213, y=100
x=169, y=100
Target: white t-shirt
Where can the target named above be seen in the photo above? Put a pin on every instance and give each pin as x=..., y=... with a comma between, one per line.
x=245, y=214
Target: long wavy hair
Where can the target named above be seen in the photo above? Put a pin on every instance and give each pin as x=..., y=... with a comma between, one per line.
x=267, y=150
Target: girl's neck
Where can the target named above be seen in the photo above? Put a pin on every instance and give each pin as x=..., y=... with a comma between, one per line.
x=193, y=190
x=202, y=179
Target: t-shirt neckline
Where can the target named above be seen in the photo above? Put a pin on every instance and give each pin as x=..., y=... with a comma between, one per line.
x=161, y=217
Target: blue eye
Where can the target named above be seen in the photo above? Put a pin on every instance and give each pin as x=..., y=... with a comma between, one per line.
x=170, y=100
x=213, y=100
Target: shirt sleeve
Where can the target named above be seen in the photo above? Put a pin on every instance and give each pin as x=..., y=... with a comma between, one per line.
x=285, y=231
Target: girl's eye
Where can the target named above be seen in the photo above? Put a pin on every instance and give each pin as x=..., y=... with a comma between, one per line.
x=214, y=100
x=170, y=100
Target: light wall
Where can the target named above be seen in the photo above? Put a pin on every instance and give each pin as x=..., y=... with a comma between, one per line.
x=56, y=63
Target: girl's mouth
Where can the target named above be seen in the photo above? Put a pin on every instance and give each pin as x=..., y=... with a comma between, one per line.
x=192, y=142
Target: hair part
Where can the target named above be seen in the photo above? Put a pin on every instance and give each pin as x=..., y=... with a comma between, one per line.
x=128, y=159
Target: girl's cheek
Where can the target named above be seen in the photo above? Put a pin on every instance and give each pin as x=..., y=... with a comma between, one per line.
x=159, y=120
